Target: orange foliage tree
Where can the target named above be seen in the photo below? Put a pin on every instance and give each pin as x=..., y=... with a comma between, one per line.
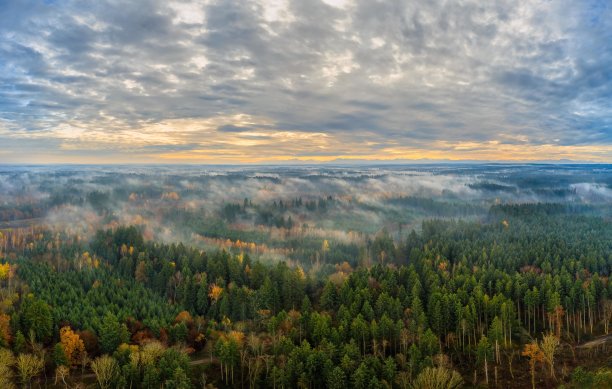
x=535, y=355
x=73, y=345
x=184, y=317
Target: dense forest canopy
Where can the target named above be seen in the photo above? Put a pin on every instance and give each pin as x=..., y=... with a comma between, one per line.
x=490, y=276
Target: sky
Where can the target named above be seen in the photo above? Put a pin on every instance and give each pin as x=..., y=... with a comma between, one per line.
x=300, y=81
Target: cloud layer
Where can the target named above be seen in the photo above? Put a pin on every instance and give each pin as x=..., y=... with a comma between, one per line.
x=277, y=80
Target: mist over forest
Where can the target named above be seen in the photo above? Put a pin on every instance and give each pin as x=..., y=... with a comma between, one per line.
x=207, y=206
x=386, y=276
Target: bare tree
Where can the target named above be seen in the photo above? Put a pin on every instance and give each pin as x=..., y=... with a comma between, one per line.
x=28, y=367
x=61, y=373
x=106, y=369
x=7, y=361
x=607, y=314
x=549, y=346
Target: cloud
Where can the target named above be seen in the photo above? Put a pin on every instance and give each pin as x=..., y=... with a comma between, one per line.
x=232, y=128
x=175, y=80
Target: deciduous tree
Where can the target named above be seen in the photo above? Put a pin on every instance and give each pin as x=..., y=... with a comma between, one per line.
x=72, y=344
x=535, y=355
x=437, y=378
x=549, y=346
x=28, y=367
x=106, y=370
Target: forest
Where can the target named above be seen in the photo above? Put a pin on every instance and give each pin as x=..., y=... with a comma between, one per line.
x=433, y=276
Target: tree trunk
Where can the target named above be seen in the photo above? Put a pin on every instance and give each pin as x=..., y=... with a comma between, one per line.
x=486, y=366
x=497, y=352
x=495, y=369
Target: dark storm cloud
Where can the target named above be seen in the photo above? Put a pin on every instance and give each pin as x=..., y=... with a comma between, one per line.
x=394, y=73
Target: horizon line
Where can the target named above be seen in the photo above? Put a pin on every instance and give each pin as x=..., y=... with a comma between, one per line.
x=326, y=163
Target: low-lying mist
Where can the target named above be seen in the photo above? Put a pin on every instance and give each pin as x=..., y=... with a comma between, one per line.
x=266, y=209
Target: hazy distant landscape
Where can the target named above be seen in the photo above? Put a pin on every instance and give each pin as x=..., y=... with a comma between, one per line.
x=323, y=276
x=273, y=207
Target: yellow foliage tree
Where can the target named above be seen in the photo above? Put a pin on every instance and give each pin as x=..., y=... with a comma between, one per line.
x=300, y=273
x=7, y=361
x=28, y=367
x=437, y=377
x=106, y=369
x=549, y=346
x=151, y=352
x=325, y=249
x=215, y=292
x=237, y=337
x=5, y=269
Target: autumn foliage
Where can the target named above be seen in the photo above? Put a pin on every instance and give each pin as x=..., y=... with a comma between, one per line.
x=535, y=355
x=215, y=292
x=5, y=330
x=73, y=345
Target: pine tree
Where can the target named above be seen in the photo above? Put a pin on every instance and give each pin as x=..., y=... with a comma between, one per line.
x=112, y=333
x=336, y=379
